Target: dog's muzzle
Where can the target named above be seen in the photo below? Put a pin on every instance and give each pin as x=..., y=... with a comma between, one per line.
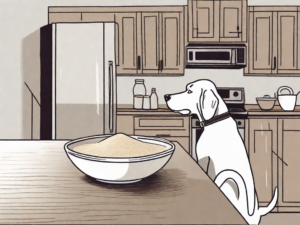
x=167, y=97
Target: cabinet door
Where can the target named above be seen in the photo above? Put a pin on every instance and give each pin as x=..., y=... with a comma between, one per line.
x=287, y=42
x=150, y=43
x=98, y=17
x=262, y=153
x=233, y=20
x=64, y=17
x=172, y=46
x=289, y=165
x=203, y=20
x=128, y=58
x=263, y=43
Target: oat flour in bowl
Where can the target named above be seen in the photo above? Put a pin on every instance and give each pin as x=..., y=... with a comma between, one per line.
x=118, y=146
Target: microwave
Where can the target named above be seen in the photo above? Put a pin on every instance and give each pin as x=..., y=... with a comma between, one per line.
x=216, y=56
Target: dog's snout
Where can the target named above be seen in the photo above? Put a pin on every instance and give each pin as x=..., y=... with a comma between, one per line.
x=167, y=97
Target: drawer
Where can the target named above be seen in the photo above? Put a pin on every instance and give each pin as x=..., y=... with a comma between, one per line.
x=161, y=123
x=161, y=126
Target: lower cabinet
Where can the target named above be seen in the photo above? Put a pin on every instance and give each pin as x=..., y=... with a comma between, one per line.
x=289, y=166
x=262, y=153
x=273, y=146
x=167, y=127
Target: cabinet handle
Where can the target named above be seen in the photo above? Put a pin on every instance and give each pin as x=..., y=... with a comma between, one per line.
x=238, y=28
x=159, y=65
x=274, y=63
x=139, y=62
x=162, y=65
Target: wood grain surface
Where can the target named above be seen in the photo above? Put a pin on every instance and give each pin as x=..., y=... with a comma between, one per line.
x=39, y=185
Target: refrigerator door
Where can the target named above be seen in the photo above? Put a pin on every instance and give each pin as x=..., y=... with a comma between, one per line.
x=80, y=81
x=110, y=84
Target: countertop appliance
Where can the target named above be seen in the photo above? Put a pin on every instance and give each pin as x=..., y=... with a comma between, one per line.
x=216, y=56
x=78, y=80
x=235, y=101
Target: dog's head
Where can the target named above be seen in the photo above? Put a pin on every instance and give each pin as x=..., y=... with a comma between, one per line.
x=200, y=97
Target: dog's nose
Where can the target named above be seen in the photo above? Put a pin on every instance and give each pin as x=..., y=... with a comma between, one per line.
x=167, y=97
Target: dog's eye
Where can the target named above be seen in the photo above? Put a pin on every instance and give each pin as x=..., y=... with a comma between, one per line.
x=189, y=92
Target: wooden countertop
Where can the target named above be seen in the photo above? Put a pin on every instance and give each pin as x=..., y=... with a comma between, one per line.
x=162, y=110
x=254, y=110
x=39, y=184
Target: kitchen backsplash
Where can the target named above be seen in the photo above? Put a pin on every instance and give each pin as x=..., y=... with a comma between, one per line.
x=255, y=86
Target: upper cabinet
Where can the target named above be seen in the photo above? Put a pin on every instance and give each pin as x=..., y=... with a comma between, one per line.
x=273, y=41
x=150, y=40
x=217, y=21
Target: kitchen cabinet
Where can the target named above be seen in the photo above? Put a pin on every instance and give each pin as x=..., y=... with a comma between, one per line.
x=172, y=43
x=170, y=128
x=150, y=43
x=203, y=20
x=127, y=49
x=274, y=153
x=289, y=166
x=60, y=17
x=150, y=40
x=273, y=41
x=233, y=17
x=173, y=128
x=217, y=21
x=162, y=43
x=262, y=151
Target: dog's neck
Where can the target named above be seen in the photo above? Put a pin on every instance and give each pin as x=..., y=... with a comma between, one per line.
x=222, y=108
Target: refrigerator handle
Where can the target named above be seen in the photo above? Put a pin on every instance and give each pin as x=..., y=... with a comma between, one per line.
x=111, y=94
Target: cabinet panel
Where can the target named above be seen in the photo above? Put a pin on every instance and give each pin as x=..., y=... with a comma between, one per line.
x=232, y=20
x=290, y=167
x=172, y=43
x=203, y=20
x=262, y=153
x=64, y=17
x=287, y=41
x=98, y=17
x=150, y=42
x=263, y=35
x=128, y=58
x=125, y=125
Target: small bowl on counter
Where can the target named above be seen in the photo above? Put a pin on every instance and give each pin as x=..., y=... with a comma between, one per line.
x=266, y=102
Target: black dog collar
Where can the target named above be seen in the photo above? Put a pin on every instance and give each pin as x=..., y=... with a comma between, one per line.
x=214, y=119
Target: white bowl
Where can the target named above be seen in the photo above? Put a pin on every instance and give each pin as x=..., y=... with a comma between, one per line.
x=119, y=170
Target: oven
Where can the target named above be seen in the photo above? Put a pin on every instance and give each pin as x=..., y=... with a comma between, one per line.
x=235, y=101
x=215, y=56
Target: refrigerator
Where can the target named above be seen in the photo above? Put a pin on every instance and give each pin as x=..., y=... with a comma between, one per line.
x=78, y=80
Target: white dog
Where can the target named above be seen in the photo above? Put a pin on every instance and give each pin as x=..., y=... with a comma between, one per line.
x=220, y=150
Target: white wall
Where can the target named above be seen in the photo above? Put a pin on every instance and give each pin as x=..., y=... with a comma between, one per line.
x=20, y=18
x=254, y=86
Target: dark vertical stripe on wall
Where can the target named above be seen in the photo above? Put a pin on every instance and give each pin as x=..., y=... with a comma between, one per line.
x=46, y=82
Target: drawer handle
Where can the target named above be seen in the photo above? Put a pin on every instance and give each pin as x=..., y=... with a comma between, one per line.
x=163, y=135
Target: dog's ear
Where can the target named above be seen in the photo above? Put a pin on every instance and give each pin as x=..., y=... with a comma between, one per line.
x=208, y=104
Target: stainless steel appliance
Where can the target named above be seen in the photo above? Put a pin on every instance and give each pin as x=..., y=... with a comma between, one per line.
x=216, y=56
x=235, y=101
x=78, y=80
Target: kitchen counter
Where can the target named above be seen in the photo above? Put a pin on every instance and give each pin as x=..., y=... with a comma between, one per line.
x=39, y=184
x=254, y=110
x=162, y=110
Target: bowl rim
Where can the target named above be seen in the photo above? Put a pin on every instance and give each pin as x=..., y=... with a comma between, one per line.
x=265, y=99
x=119, y=159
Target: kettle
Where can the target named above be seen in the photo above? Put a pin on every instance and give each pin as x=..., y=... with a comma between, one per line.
x=287, y=101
